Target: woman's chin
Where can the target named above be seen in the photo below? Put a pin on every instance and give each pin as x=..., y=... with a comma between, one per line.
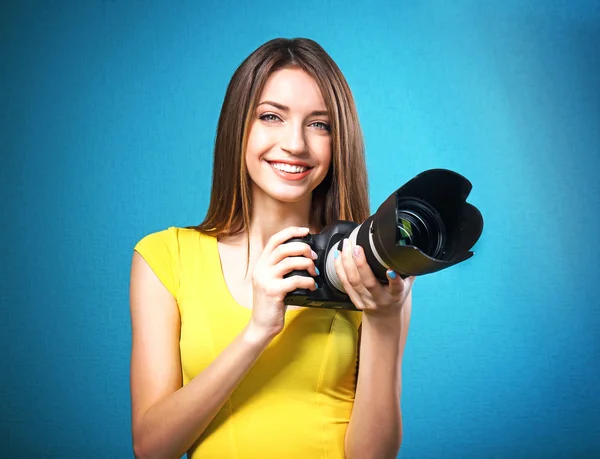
x=286, y=199
x=282, y=194
x=290, y=198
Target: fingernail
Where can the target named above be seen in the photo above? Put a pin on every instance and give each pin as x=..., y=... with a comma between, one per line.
x=392, y=274
x=356, y=251
x=317, y=270
x=316, y=285
x=336, y=254
x=313, y=255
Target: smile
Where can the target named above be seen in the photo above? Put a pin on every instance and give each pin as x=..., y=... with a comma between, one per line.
x=289, y=168
x=290, y=172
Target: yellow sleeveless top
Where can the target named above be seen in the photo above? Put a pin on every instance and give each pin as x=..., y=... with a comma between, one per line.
x=297, y=399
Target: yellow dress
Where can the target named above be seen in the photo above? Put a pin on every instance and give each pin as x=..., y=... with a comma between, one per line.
x=297, y=399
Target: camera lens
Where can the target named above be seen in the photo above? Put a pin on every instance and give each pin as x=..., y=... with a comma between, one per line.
x=420, y=225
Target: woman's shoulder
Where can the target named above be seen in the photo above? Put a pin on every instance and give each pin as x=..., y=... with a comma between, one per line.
x=171, y=250
x=174, y=241
x=174, y=235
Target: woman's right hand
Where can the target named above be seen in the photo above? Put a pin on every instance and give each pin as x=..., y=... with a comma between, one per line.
x=268, y=284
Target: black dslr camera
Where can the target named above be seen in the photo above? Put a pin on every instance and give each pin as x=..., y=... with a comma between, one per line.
x=423, y=227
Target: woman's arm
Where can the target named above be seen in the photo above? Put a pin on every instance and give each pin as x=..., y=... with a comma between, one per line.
x=375, y=428
x=167, y=418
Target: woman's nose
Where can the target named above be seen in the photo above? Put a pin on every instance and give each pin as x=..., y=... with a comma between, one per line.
x=293, y=140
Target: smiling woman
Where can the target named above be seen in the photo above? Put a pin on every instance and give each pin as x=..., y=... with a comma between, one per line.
x=221, y=367
x=289, y=144
x=249, y=99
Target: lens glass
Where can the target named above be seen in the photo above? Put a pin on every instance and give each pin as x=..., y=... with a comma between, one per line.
x=420, y=225
x=405, y=232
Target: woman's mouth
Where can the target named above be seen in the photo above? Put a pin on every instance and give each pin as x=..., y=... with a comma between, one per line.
x=290, y=171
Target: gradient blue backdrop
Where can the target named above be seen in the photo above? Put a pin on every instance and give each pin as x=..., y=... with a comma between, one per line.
x=108, y=113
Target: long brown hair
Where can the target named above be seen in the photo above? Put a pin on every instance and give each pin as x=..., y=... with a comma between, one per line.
x=343, y=194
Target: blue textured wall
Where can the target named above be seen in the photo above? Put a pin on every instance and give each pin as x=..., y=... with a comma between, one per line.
x=107, y=114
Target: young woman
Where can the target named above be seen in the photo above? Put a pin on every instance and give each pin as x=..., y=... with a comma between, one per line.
x=220, y=367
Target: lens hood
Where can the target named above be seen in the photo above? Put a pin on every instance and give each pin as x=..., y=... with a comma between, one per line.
x=446, y=192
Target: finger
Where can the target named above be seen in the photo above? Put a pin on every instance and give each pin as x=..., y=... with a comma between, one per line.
x=295, y=263
x=289, y=284
x=291, y=249
x=285, y=235
x=341, y=272
x=396, y=283
x=352, y=274
x=370, y=282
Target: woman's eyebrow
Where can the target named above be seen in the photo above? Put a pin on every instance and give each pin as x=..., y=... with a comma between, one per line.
x=286, y=109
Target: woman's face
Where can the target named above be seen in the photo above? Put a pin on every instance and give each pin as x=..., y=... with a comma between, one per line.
x=289, y=143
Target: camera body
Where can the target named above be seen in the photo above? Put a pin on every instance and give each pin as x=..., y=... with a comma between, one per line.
x=326, y=295
x=423, y=227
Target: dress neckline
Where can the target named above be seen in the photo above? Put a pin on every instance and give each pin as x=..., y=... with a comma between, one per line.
x=220, y=279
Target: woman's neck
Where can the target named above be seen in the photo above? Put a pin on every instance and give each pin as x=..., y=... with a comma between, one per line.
x=268, y=217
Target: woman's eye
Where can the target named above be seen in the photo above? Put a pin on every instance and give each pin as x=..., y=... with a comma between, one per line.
x=269, y=117
x=321, y=125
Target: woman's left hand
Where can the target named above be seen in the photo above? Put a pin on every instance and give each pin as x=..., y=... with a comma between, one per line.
x=366, y=292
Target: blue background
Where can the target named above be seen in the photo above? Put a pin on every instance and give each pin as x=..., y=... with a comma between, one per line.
x=108, y=113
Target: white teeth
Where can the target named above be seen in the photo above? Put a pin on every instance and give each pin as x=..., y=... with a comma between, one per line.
x=289, y=168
